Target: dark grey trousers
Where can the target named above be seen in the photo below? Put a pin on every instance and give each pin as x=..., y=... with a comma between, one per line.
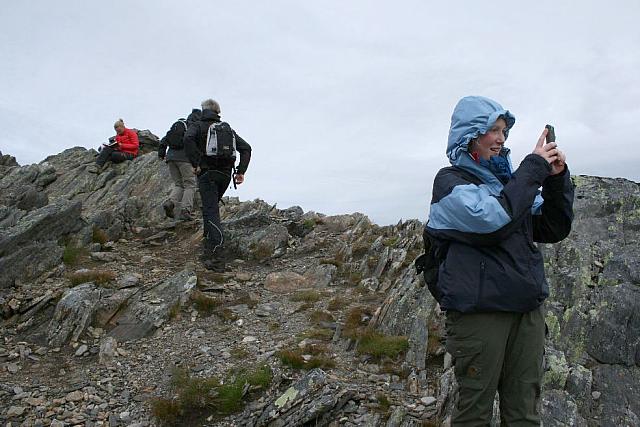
x=497, y=352
x=110, y=153
x=212, y=184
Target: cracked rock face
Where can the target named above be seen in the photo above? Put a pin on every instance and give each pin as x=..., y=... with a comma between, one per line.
x=127, y=314
x=312, y=399
x=73, y=314
x=30, y=247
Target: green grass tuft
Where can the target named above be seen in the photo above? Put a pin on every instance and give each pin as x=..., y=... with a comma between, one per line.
x=335, y=262
x=174, y=310
x=291, y=358
x=274, y=326
x=321, y=334
x=71, y=254
x=259, y=376
x=99, y=236
x=239, y=352
x=337, y=303
x=168, y=411
x=320, y=362
x=390, y=242
x=205, y=304
x=294, y=359
x=100, y=277
x=379, y=345
x=197, y=398
x=318, y=316
x=383, y=402
x=308, y=295
x=355, y=323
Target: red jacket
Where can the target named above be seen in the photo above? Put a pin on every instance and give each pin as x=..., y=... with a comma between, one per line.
x=128, y=142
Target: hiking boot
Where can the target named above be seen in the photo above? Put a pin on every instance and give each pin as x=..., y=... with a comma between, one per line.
x=212, y=264
x=168, y=208
x=224, y=253
x=186, y=216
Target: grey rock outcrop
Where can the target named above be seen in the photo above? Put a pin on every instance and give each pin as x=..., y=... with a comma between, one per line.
x=73, y=314
x=126, y=314
x=148, y=141
x=311, y=400
x=595, y=295
x=146, y=311
x=30, y=247
x=122, y=197
x=7, y=160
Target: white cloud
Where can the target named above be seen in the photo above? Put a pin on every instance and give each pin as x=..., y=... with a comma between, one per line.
x=347, y=105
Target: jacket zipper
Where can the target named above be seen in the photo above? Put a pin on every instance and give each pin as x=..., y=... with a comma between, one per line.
x=481, y=283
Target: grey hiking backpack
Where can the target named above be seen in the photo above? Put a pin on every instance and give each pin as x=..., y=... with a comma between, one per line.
x=221, y=141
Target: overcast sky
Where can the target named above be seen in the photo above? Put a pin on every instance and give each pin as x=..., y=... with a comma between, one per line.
x=347, y=105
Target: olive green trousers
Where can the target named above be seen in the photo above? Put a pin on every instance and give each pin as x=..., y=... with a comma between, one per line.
x=497, y=352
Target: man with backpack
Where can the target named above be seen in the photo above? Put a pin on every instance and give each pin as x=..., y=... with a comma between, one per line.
x=211, y=145
x=182, y=174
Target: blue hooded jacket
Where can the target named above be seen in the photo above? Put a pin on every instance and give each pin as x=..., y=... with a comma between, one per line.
x=487, y=228
x=474, y=116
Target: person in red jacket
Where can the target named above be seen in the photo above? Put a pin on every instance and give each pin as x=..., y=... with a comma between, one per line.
x=123, y=147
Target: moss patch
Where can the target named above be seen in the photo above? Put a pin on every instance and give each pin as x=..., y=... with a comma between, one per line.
x=554, y=326
x=556, y=376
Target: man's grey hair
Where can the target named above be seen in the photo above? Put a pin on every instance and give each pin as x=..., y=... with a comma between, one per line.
x=210, y=104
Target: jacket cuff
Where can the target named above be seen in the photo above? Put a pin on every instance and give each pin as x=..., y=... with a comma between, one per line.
x=536, y=167
x=557, y=182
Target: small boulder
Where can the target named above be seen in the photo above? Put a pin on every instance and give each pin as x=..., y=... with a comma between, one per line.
x=15, y=411
x=284, y=281
x=103, y=256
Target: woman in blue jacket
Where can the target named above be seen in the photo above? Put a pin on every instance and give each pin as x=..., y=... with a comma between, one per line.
x=491, y=282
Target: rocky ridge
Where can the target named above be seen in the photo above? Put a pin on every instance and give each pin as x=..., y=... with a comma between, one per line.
x=103, y=301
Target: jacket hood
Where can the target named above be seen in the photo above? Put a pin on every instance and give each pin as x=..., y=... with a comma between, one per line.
x=209, y=116
x=473, y=116
x=195, y=115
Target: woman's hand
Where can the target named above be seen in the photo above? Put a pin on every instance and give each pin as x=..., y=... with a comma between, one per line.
x=550, y=153
x=558, y=165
